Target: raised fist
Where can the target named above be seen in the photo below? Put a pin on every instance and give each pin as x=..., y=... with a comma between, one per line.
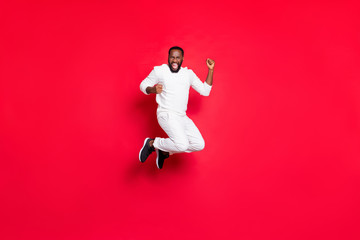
x=210, y=63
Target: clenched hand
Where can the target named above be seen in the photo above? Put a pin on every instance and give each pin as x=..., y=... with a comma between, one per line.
x=158, y=88
x=210, y=63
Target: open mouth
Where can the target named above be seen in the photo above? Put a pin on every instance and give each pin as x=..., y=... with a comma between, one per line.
x=174, y=66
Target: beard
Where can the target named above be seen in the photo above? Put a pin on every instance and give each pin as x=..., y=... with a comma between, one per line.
x=177, y=70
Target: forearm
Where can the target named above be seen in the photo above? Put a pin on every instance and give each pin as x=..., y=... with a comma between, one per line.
x=151, y=90
x=209, y=78
x=157, y=89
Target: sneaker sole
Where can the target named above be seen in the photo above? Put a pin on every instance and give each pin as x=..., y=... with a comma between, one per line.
x=142, y=149
x=157, y=158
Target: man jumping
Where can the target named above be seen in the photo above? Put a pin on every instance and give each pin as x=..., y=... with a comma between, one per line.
x=171, y=83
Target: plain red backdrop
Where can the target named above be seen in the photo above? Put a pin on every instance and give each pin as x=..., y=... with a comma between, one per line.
x=282, y=123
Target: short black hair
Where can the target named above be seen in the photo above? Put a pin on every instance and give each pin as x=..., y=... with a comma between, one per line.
x=176, y=48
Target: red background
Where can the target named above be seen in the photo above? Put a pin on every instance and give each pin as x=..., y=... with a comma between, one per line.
x=281, y=124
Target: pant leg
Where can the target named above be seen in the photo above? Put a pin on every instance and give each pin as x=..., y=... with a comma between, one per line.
x=196, y=141
x=175, y=128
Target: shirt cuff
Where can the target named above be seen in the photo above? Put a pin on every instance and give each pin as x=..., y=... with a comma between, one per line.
x=207, y=86
x=143, y=89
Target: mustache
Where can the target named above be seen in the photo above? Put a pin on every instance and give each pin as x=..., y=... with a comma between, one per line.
x=177, y=70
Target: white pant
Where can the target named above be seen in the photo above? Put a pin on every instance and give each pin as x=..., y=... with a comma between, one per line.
x=184, y=136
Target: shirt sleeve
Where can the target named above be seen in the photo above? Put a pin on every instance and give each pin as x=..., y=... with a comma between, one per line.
x=149, y=81
x=201, y=87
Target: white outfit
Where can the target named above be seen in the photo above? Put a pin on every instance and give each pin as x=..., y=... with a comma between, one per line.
x=184, y=136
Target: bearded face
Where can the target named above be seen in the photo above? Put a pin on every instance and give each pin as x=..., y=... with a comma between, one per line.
x=175, y=60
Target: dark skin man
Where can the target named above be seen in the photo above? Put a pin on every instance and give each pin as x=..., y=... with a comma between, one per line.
x=175, y=60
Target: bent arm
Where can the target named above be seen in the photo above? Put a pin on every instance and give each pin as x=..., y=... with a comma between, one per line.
x=147, y=85
x=203, y=88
